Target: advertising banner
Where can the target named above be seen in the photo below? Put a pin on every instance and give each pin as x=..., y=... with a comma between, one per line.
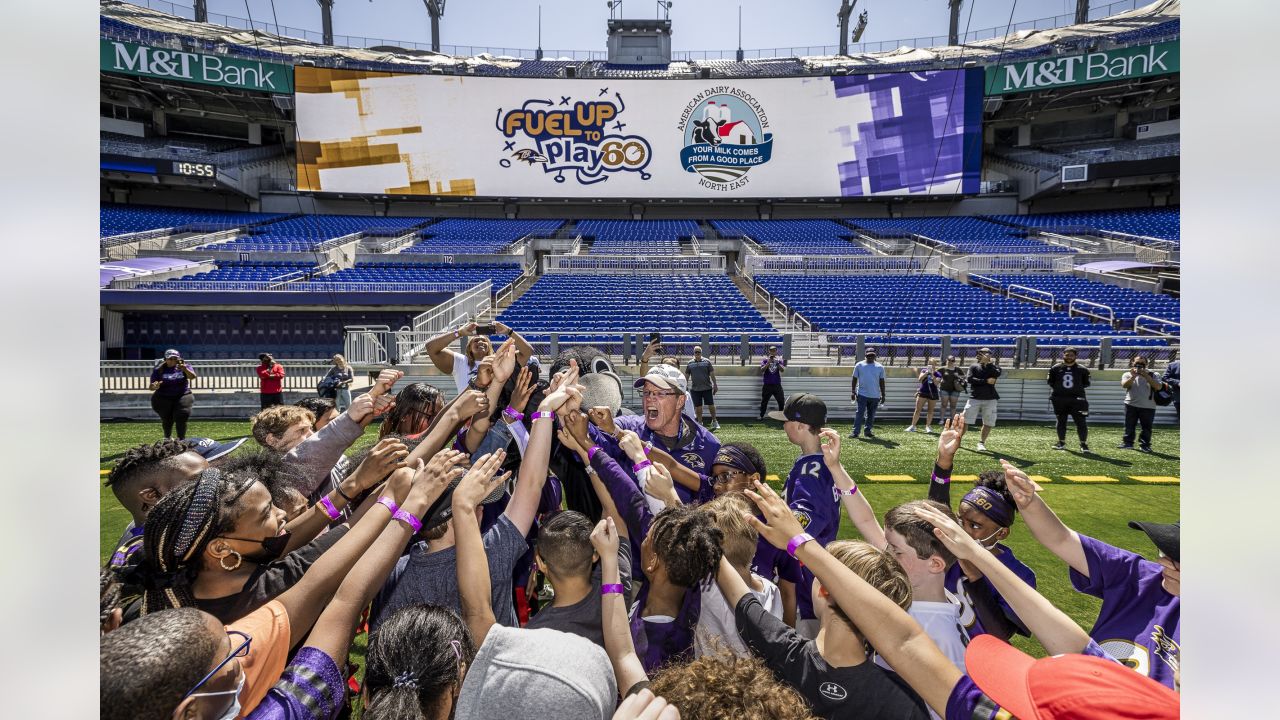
x=143, y=60
x=1102, y=66
x=894, y=134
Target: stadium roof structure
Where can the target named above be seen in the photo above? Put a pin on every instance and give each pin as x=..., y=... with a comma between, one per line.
x=1159, y=20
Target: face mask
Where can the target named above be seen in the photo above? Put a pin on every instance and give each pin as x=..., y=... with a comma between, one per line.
x=233, y=710
x=272, y=548
x=983, y=542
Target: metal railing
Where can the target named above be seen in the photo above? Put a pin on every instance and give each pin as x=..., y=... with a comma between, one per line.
x=985, y=282
x=127, y=238
x=124, y=375
x=1030, y=294
x=1162, y=322
x=1073, y=310
x=460, y=309
x=354, y=41
x=364, y=344
x=832, y=264
x=635, y=264
x=1059, y=262
x=791, y=318
x=205, y=239
x=287, y=283
x=395, y=243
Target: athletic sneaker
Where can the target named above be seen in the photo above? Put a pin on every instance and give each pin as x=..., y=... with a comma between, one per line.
x=1145, y=448
x=982, y=447
x=868, y=434
x=1124, y=446
x=910, y=428
x=1084, y=447
x=928, y=429
x=1060, y=445
x=715, y=425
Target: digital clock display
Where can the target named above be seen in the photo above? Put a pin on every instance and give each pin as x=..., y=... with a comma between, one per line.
x=194, y=169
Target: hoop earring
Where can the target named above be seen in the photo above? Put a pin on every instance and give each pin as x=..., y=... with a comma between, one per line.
x=223, y=561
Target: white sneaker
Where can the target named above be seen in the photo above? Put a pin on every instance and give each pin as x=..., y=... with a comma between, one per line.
x=910, y=428
x=982, y=447
x=715, y=425
x=928, y=429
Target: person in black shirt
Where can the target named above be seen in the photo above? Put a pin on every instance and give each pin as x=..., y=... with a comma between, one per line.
x=983, y=397
x=1068, y=380
x=838, y=678
x=951, y=386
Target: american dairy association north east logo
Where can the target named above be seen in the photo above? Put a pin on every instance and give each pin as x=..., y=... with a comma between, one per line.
x=725, y=136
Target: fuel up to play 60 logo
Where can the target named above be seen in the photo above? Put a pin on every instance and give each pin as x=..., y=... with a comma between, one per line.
x=582, y=137
x=724, y=137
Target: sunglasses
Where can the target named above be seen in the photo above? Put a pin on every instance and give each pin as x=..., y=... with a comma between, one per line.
x=241, y=650
x=657, y=393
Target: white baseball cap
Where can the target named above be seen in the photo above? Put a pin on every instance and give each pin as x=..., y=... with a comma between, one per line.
x=664, y=376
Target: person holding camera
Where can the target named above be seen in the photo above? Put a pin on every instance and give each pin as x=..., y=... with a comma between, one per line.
x=1068, y=380
x=463, y=366
x=171, y=396
x=336, y=384
x=271, y=377
x=1139, y=403
x=771, y=369
x=983, y=397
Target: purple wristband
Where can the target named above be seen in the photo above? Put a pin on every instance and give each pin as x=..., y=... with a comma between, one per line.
x=641, y=465
x=327, y=506
x=511, y=413
x=794, y=544
x=612, y=589
x=591, y=452
x=540, y=415
x=390, y=504
x=408, y=519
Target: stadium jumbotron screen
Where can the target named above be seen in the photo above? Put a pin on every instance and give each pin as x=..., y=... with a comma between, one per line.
x=889, y=134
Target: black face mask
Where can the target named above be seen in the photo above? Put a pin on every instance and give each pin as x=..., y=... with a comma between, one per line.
x=272, y=548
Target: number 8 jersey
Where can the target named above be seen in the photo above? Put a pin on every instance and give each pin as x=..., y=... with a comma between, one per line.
x=1068, y=380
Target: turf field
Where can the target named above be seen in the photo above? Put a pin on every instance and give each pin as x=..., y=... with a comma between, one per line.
x=1096, y=494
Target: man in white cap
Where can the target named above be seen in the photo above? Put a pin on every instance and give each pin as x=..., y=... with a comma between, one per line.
x=662, y=424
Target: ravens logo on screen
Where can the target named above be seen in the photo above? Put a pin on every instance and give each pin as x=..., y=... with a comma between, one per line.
x=529, y=156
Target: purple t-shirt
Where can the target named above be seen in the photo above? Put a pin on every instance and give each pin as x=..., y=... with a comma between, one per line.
x=660, y=642
x=311, y=688
x=968, y=618
x=774, y=376
x=1138, y=623
x=774, y=564
x=811, y=494
x=173, y=382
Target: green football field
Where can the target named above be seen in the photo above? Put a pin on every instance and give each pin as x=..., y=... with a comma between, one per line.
x=1095, y=494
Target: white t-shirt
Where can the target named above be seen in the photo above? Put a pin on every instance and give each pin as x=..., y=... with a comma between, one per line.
x=462, y=368
x=717, y=629
x=941, y=622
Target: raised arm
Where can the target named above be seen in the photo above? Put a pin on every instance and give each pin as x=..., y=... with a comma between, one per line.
x=572, y=436
x=894, y=634
x=1043, y=523
x=1057, y=632
x=387, y=456
x=473, y=564
x=438, y=347
x=533, y=466
x=953, y=430
x=442, y=428
x=618, y=643
x=336, y=625
x=524, y=350
x=855, y=503
x=496, y=372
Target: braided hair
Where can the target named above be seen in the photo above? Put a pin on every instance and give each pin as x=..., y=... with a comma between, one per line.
x=413, y=412
x=178, y=530
x=688, y=543
x=415, y=657
x=139, y=460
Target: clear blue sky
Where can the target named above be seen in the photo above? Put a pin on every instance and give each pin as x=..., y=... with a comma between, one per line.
x=698, y=24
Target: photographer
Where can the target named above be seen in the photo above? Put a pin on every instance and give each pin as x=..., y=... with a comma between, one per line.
x=771, y=369
x=982, y=395
x=463, y=367
x=1068, y=380
x=171, y=396
x=1139, y=403
x=271, y=377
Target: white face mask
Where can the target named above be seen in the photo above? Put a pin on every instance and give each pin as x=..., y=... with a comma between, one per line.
x=233, y=710
x=983, y=542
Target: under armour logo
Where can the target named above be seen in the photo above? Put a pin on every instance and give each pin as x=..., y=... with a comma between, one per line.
x=832, y=691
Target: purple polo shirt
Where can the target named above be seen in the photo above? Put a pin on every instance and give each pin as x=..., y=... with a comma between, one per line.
x=968, y=618
x=811, y=494
x=1138, y=623
x=697, y=453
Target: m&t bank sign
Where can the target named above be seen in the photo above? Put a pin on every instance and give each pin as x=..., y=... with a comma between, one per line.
x=1102, y=66
x=146, y=61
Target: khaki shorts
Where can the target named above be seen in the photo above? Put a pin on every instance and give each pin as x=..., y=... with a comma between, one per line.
x=985, y=409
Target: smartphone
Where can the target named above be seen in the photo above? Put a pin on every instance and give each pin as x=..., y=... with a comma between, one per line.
x=485, y=329
x=655, y=337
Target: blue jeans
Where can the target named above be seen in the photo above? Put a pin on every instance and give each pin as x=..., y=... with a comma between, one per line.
x=866, y=408
x=343, y=401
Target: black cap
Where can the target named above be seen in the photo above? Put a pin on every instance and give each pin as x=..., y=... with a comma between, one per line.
x=1166, y=537
x=870, y=351
x=803, y=407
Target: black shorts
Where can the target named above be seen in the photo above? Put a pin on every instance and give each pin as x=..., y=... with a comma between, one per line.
x=702, y=397
x=1066, y=405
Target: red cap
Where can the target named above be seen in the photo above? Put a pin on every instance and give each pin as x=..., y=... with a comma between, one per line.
x=1066, y=687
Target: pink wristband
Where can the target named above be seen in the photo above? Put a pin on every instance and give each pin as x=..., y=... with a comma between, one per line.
x=641, y=465
x=612, y=589
x=390, y=504
x=408, y=519
x=794, y=544
x=591, y=452
x=329, y=510
x=511, y=413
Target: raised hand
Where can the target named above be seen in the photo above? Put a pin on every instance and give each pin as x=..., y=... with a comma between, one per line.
x=602, y=417
x=468, y=329
x=383, y=404
x=523, y=390
x=631, y=445
x=644, y=705
x=361, y=408
x=953, y=430
x=504, y=361
x=1022, y=488
x=576, y=423
x=554, y=401
x=830, y=440
x=951, y=534
x=446, y=466
x=604, y=538
x=564, y=376
x=779, y=524
x=569, y=441
x=386, y=456
x=471, y=403
x=502, y=328
x=479, y=482
x=386, y=378
x=660, y=485
x=401, y=482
